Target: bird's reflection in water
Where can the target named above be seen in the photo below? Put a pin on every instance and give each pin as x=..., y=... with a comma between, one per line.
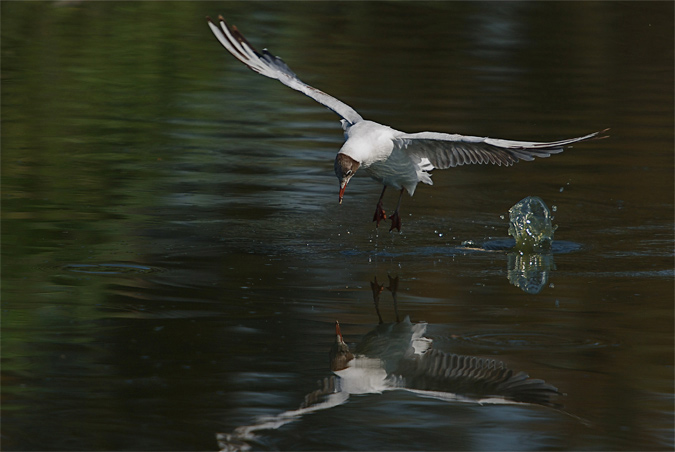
x=398, y=356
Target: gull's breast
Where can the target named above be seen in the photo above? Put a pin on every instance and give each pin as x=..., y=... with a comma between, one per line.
x=397, y=171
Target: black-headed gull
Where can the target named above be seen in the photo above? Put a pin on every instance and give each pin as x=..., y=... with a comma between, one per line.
x=391, y=157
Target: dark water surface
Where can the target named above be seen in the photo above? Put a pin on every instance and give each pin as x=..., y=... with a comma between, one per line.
x=174, y=257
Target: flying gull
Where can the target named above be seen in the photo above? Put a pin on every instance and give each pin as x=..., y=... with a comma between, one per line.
x=395, y=159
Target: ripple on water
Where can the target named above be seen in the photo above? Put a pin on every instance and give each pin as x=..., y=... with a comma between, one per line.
x=557, y=246
x=532, y=341
x=111, y=269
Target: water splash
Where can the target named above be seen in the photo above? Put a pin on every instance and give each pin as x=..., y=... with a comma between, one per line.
x=531, y=226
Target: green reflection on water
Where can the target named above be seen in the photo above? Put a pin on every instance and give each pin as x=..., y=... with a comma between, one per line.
x=128, y=138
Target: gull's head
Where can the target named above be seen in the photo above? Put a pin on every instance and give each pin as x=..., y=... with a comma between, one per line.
x=340, y=356
x=345, y=167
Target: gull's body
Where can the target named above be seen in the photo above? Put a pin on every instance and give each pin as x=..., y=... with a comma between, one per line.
x=394, y=158
x=375, y=147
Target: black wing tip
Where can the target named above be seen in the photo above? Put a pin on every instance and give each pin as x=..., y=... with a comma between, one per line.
x=213, y=22
x=599, y=136
x=240, y=37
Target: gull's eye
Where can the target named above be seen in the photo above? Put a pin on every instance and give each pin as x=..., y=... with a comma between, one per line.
x=348, y=173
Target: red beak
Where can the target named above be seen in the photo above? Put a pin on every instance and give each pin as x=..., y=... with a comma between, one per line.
x=342, y=191
x=337, y=331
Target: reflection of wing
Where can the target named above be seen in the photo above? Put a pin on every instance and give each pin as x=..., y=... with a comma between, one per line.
x=474, y=377
x=327, y=386
x=327, y=396
x=444, y=150
x=274, y=67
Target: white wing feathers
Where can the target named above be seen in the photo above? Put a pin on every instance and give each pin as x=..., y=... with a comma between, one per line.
x=445, y=150
x=427, y=149
x=274, y=67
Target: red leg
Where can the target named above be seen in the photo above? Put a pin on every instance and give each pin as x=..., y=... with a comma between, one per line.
x=379, y=211
x=396, y=218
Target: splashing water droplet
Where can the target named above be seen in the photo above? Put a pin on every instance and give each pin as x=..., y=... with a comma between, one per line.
x=530, y=224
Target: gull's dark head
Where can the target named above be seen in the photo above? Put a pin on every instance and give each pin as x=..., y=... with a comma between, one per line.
x=339, y=353
x=345, y=167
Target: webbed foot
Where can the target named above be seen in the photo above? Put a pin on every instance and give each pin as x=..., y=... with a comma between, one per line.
x=379, y=213
x=395, y=222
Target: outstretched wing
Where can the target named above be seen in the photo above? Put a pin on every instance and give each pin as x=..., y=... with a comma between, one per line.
x=445, y=150
x=327, y=396
x=474, y=377
x=274, y=67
